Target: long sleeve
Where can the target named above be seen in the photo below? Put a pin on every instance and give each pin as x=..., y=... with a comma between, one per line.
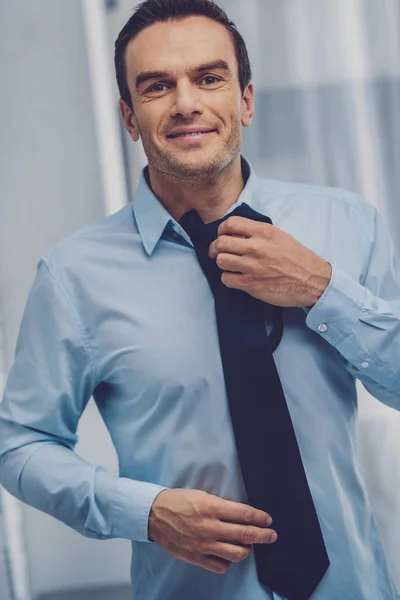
x=361, y=318
x=49, y=385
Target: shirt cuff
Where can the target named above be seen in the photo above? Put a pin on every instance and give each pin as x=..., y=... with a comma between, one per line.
x=132, y=508
x=337, y=312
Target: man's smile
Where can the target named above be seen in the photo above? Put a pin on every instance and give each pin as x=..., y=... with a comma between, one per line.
x=191, y=134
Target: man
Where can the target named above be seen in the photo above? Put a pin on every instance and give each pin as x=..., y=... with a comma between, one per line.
x=122, y=311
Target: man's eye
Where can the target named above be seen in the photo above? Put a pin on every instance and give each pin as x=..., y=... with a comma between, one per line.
x=157, y=87
x=210, y=79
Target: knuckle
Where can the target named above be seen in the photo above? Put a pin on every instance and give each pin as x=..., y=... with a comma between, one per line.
x=249, y=279
x=266, y=231
x=205, y=530
x=196, y=546
x=225, y=279
x=205, y=548
x=230, y=222
x=208, y=503
x=220, y=259
x=231, y=225
x=219, y=244
x=247, y=514
x=247, y=535
x=239, y=554
x=258, y=251
x=235, y=555
x=209, y=507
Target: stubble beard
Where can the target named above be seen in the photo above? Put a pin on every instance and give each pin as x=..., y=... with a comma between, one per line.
x=204, y=173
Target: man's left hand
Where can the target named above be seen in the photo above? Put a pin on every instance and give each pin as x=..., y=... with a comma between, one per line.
x=268, y=263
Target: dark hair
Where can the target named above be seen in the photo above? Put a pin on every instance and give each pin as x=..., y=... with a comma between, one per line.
x=154, y=11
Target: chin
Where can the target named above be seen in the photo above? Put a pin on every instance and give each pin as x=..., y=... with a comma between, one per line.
x=194, y=166
x=199, y=169
x=200, y=160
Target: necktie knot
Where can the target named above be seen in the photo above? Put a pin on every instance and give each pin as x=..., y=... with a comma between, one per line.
x=204, y=233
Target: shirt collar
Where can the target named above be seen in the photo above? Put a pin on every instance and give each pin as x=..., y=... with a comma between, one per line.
x=152, y=217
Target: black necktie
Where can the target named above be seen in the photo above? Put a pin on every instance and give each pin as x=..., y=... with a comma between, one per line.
x=269, y=456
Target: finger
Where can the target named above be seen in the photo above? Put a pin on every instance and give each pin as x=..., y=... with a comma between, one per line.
x=245, y=534
x=234, y=280
x=232, y=263
x=211, y=563
x=199, y=558
x=237, y=512
x=230, y=552
x=241, y=226
x=228, y=243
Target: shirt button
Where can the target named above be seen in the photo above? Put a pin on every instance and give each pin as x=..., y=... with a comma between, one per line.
x=323, y=327
x=365, y=364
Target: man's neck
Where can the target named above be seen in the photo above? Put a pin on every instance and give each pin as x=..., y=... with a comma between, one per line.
x=210, y=200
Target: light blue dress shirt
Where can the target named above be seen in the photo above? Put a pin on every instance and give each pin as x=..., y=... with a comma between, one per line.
x=122, y=311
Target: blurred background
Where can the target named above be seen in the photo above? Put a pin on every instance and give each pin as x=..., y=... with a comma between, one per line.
x=327, y=77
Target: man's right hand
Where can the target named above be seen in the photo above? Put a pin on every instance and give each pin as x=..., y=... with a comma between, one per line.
x=206, y=530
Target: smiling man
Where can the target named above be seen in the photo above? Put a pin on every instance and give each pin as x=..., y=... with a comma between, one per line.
x=220, y=322
x=182, y=94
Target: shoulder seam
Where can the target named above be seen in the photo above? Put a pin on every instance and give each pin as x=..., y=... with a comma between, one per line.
x=85, y=339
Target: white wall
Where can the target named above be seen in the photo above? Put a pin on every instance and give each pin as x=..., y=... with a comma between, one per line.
x=50, y=187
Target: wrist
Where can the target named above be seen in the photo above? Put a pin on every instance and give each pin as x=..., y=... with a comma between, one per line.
x=153, y=515
x=319, y=281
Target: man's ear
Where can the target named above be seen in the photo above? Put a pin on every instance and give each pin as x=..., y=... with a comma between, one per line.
x=129, y=120
x=248, y=105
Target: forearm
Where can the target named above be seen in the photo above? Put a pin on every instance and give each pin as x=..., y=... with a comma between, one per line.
x=94, y=502
x=365, y=329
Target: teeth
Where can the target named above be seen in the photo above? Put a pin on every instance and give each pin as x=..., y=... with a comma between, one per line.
x=191, y=134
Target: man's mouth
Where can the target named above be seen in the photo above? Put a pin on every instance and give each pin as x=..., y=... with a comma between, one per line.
x=191, y=134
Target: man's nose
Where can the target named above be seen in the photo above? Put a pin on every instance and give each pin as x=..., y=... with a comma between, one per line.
x=187, y=101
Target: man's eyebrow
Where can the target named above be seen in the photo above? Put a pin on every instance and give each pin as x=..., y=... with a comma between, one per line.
x=215, y=64
x=149, y=75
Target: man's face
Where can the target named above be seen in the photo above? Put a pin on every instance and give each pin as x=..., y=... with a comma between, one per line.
x=188, y=108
